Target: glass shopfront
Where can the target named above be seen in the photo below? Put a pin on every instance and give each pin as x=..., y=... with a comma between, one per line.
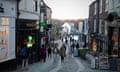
x=114, y=42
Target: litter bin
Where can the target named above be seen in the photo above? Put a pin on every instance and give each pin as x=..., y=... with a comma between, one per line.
x=113, y=65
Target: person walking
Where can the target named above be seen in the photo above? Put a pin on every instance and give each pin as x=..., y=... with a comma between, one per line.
x=55, y=52
x=62, y=53
x=24, y=55
x=41, y=53
x=49, y=52
x=44, y=53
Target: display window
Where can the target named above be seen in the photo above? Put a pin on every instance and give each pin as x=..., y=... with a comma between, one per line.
x=115, y=42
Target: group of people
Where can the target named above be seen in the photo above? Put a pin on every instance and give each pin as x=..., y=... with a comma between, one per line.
x=46, y=52
x=72, y=46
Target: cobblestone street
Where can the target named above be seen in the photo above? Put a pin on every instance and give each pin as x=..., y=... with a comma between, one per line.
x=72, y=64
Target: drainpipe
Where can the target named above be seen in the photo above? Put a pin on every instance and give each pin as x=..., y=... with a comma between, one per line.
x=18, y=13
x=17, y=16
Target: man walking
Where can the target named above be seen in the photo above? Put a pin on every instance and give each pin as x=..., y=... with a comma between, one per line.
x=24, y=55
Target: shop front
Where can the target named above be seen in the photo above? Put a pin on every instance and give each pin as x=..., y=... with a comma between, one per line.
x=114, y=47
x=113, y=26
x=27, y=33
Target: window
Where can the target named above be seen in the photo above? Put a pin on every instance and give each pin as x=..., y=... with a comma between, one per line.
x=103, y=27
x=94, y=25
x=114, y=42
x=106, y=5
x=106, y=32
x=35, y=5
x=95, y=8
x=4, y=21
x=100, y=23
x=100, y=6
x=111, y=4
x=4, y=35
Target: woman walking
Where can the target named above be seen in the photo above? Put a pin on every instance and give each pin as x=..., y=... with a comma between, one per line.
x=62, y=53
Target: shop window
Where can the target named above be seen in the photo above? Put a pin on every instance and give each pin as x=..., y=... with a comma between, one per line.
x=4, y=21
x=94, y=45
x=95, y=8
x=4, y=42
x=119, y=44
x=114, y=42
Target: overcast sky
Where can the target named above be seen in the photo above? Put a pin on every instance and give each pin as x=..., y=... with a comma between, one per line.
x=69, y=9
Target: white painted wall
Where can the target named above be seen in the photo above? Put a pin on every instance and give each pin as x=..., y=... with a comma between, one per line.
x=7, y=22
x=114, y=5
x=27, y=9
x=9, y=8
x=49, y=15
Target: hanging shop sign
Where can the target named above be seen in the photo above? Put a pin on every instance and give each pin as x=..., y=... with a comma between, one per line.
x=42, y=24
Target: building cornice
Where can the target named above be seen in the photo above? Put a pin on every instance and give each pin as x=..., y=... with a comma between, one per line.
x=22, y=10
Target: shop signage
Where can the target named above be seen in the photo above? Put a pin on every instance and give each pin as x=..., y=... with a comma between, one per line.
x=31, y=25
x=42, y=24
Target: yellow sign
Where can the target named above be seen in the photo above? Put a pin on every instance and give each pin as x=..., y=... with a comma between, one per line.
x=31, y=25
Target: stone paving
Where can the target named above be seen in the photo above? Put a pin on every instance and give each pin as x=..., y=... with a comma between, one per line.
x=72, y=64
x=38, y=67
x=69, y=65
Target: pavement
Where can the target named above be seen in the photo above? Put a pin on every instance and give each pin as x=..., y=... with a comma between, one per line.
x=75, y=64
x=70, y=64
x=38, y=67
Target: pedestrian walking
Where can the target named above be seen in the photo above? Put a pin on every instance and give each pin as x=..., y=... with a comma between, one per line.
x=72, y=48
x=55, y=52
x=44, y=53
x=75, y=51
x=62, y=53
x=41, y=53
x=24, y=55
x=49, y=52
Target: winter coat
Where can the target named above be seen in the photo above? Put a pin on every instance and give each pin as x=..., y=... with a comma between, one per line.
x=62, y=51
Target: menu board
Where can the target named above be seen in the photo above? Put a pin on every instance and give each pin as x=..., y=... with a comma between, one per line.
x=103, y=62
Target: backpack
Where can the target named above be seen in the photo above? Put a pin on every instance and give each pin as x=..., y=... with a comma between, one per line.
x=44, y=52
x=23, y=51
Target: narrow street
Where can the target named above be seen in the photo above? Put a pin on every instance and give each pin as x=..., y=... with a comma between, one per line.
x=70, y=64
x=59, y=35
